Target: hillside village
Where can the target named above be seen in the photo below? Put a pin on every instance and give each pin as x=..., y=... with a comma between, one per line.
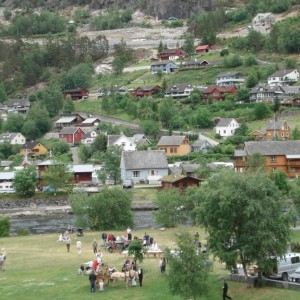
x=73, y=128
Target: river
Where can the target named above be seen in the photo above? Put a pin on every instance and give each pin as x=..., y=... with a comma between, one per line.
x=59, y=222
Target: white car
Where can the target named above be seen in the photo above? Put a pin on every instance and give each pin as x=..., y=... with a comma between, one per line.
x=295, y=276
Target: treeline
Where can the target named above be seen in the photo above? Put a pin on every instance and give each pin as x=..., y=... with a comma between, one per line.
x=24, y=64
x=284, y=37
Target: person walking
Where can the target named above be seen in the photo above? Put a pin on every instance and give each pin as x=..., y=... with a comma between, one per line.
x=79, y=247
x=225, y=290
x=140, y=273
x=92, y=279
x=68, y=243
x=95, y=246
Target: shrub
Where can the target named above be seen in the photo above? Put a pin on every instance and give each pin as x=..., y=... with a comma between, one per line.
x=4, y=226
x=224, y=52
x=295, y=247
x=22, y=232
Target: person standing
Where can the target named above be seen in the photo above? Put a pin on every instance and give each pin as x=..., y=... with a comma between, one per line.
x=162, y=265
x=104, y=237
x=79, y=247
x=95, y=246
x=225, y=290
x=101, y=285
x=2, y=259
x=68, y=243
x=92, y=279
x=140, y=272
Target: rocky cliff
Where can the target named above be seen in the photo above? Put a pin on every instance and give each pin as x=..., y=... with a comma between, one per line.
x=161, y=9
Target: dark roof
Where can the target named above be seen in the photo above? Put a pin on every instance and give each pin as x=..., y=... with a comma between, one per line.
x=278, y=125
x=148, y=87
x=195, y=62
x=273, y=147
x=188, y=168
x=179, y=87
x=219, y=88
x=8, y=136
x=74, y=90
x=281, y=73
x=170, y=51
x=69, y=130
x=29, y=145
x=200, y=143
x=266, y=89
x=203, y=47
x=224, y=122
x=149, y=159
x=171, y=140
x=111, y=139
x=164, y=62
x=175, y=178
x=18, y=102
x=229, y=74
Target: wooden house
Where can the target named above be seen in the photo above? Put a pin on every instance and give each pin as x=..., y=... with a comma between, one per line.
x=76, y=94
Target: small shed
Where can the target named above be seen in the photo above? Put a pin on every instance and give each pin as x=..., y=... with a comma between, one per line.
x=179, y=181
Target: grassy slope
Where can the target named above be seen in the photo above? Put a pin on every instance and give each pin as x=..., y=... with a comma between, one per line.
x=38, y=267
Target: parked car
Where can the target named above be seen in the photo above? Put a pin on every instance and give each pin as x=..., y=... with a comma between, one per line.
x=128, y=184
x=295, y=276
x=49, y=188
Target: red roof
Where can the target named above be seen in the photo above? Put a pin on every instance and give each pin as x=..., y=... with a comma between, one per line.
x=220, y=89
x=202, y=47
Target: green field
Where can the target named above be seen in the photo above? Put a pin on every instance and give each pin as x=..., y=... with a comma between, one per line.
x=39, y=267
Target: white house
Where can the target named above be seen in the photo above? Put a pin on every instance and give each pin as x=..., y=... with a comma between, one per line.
x=127, y=143
x=226, y=127
x=230, y=78
x=283, y=77
x=14, y=138
x=179, y=90
x=164, y=66
x=263, y=22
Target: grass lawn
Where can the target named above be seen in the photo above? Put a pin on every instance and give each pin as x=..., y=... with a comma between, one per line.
x=38, y=267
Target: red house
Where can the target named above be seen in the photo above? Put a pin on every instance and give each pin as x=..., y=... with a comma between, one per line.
x=179, y=181
x=217, y=93
x=170, y=54
x=83, y=173
x=72, y=135
x=76, y=94
x=202, y=49
x=143, y=91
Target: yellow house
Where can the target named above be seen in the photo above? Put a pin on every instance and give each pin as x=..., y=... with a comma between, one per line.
x=33, y=148
x=174, y=145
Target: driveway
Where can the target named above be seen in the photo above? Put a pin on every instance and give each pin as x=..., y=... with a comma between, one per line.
x=75, y=157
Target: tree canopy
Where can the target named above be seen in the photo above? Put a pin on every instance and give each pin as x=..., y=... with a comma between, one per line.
x=25, y=182
x=244, y=216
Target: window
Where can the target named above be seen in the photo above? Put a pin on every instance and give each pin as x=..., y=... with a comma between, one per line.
x=274, y=170
x=295, y=260
x=152, y=172
x=273, y=159
x=292, y=170
x=282, y=134
x=136, y=173
x=286, y=134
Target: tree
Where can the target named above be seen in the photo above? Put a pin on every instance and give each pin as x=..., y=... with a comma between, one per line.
x=281, y=180
x=296, y=133
x=167, y=112
x=261, y=110
x=170, y=211
x=241, y=212
x=242, y=95
x=136, y=249
x=69, y=105
x=256, y=163
x=276, y=105
x=251, y=80
x=188, y=45
x=150, y=127
x=3, y=96
x=14, y=123
x=59, y=176
x=25, y=182
x=295, y=193
x=109, y=209
x=188, y=269
x=100, y=143
x=111, y=168
x=242, y=130
x=160, y=47
x=118, y=65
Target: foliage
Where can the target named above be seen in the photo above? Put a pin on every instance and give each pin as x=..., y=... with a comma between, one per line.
x=150, y=127
x=295, y=193
x=188, y=269
x=3, y=96
x=224, y=52
x=135, y=248
x=109, y=209
x=188, y=45
x=111, y=167
x=4, y=226
x=262, y=110
x=22, y=232
x=250, y=60
x=59, y=176
x=170, y=211
x=233, y=61
x=68, y=105
x=296, y=134
x=256, y=163
x=241, y=212
x=281, y=180
x=25, y=182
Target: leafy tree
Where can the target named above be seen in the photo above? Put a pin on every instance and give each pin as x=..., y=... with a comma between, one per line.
x=241, y=212
x=136, y=249
x=56, y=146
x=100, y=143
x=167, y=112
x=233, y=61
x=78, y=76
x=109, y=209
x=261, y=110
x=111, y=168
x=202, y=118
x=291, y=63
x=296, y=133
x=3, y=96
x=224, y=52
x=281, y=180
x=250, y=60
x=14, y=123
x=25, y=182
x=242, y=95
x=52, y=99
x=251, y=80
x=188, y=45
x=59, y=176
x=276, y=105
x=160, y=47
x=150, y=127
x=188, y=270
x=4, y=226
x=84, y=152
x=170, y=211
x=295, y=193
x=30, y=130
x=118, y=65
x=243, y=130
x=69, y=105
x=256, y=163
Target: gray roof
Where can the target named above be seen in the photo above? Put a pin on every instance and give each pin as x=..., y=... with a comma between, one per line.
x=69, y=130
x=82, y=168
x=278, y=125
x=200, y=143
x=178, y=87
x=66, y=120
x=163, y=63
x=171, y=140
x=267, y=89
x=7, y=175
x=111, y=139
x=149, y=159
x=224, y=122
x=282, y=73
x=90, y=120
x=190, y=167
x=8, y=136
x=6, y=163
x=273, y=148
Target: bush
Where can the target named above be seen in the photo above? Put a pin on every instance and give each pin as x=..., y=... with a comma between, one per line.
x=295, y=247
x=22, y=232
x=4, y=226
x=224, y=52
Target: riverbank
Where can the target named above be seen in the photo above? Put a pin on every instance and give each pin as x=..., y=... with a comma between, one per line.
x=50, y=206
